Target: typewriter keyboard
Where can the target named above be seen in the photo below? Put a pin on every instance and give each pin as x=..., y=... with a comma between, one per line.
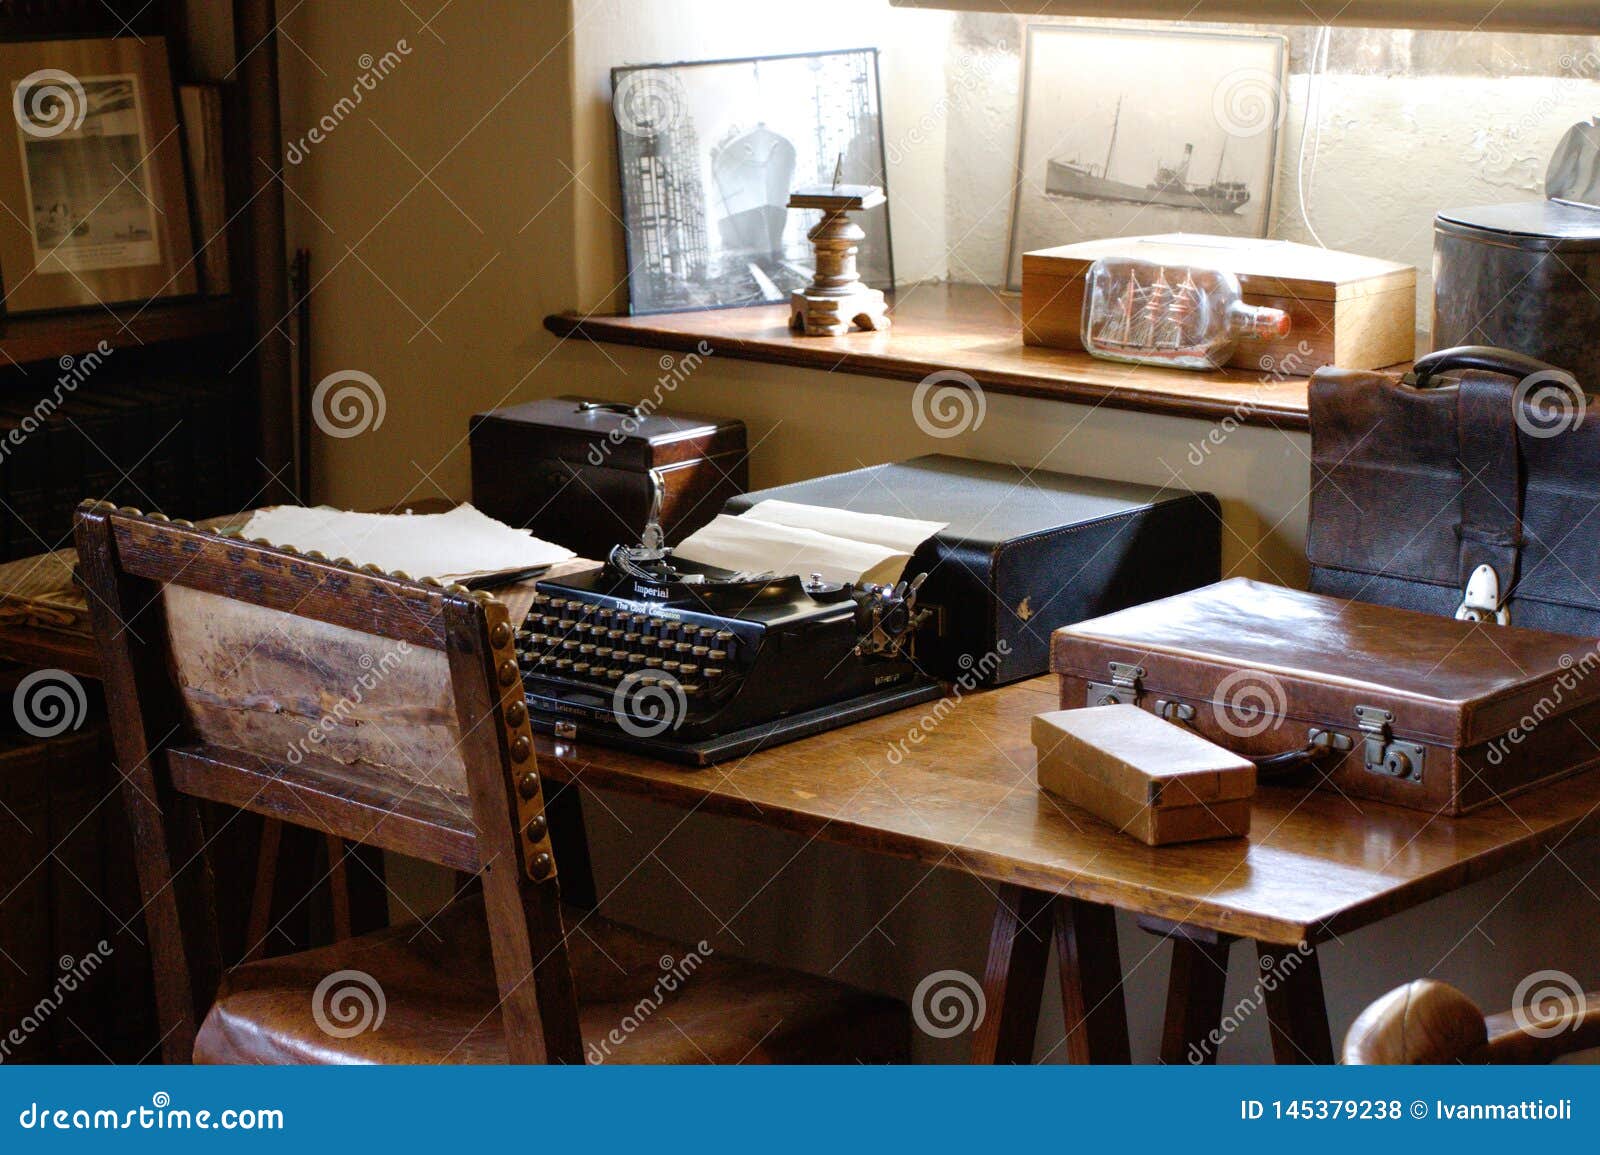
x=602, y=646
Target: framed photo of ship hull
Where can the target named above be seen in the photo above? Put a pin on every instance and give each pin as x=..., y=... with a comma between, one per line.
x=91, y=175
x=708, y=153
x=1130, y=132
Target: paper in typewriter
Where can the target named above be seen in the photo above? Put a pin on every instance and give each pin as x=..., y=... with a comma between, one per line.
x=785, y=538
x=456, y=546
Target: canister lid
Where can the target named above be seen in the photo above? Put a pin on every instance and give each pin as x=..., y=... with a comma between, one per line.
x=1540, y=224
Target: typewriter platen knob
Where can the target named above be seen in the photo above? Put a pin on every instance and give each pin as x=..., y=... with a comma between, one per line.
x=820, y=590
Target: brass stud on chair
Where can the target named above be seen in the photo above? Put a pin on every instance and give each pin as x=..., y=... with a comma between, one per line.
x=516, y=714
x=131, y=510
x=500, y=635
x=159, y=517
x=316, y=555
x=400, y=575
x=374, y=570
x=521, y=747
x=432, y=582
x=344, y=561
x=541, y=864
x=456, y=588
x=509, y=673
x=536, y=828
x=482, y=597
x=528, y=784
x=181, y=522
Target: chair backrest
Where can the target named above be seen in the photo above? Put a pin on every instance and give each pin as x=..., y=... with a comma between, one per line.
x=356, y=703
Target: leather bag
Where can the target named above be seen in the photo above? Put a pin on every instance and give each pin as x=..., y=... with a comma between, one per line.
x=1477, y=497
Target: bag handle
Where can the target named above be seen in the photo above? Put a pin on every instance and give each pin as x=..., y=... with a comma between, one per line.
x=1485, y=358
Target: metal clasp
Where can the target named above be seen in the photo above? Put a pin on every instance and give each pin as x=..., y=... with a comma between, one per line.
x=1480, y=601
x=1174, y=711
x=1124, y=689
x=1382, y=753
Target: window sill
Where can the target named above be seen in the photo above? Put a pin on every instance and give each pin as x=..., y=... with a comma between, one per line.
x=962, y=327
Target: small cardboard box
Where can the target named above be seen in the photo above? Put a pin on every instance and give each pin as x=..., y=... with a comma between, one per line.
x=1344, y=309
x=1156, y=781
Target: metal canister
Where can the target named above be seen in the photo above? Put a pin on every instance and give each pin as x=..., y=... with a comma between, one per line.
x=1523, y=276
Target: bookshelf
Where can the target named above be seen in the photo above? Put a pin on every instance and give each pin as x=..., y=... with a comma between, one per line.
x=51, y=336
x=246, y=329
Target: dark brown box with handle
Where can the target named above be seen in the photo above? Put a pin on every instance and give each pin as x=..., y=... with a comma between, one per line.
x=583, y=473
x=1376, y=702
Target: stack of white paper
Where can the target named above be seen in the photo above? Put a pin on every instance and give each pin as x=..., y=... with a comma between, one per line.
x=785, y=538
x=456, y=546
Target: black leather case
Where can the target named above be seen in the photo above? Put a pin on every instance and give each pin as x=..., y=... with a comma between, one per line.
x=1025, y=551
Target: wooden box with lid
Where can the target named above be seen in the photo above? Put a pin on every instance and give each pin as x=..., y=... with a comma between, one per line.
x=584, y=473
x=1344, y=309
x=1151, y=779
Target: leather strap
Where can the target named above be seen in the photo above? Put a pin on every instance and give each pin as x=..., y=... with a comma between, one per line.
x=1491, y=473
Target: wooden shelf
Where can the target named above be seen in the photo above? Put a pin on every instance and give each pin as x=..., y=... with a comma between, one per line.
x=964, y=327
x=50, y=336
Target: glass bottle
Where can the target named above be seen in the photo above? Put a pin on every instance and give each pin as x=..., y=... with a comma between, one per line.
x=1171, y=315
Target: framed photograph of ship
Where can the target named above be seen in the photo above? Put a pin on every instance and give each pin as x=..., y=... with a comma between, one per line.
x=91, y=174
x=708, y=153
x=1128, y=132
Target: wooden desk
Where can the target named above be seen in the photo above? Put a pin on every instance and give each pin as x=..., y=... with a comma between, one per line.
x=44, y=620
x=964, y=797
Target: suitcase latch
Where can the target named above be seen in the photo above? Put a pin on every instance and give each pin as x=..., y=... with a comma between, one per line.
x=1480, y=601
x=1382, y=753
x=1124, y=688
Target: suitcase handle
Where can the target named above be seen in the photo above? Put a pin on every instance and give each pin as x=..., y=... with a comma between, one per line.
x=621, y=409
x=1277, y=767
x=1486, y=358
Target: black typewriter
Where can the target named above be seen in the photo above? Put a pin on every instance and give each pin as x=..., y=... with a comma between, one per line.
x=697, y=665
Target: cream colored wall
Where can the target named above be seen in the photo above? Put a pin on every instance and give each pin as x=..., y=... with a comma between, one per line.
x=453, y=209
x=516, y=218
x=440, y=218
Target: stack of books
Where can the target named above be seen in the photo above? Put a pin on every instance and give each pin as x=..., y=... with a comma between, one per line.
x=177, y=446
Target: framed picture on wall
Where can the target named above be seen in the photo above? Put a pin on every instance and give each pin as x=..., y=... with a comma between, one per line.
x=708, y=153
x=91, y=175
x=1129, y=132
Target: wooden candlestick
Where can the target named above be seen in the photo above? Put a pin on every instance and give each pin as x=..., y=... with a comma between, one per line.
x=836, y=301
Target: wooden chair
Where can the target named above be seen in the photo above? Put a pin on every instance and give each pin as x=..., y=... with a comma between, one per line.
x=389, y=712
x=1431, y=1022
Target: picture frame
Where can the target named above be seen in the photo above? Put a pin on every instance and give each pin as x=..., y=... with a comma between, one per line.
x=1134, y=131
x=91, y=176
x=707, y=155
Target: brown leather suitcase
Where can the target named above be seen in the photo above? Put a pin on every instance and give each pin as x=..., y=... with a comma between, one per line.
x=584, y=473
x=1373, y=701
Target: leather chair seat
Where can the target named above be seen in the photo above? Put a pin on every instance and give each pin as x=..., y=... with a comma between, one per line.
x=440, y=1003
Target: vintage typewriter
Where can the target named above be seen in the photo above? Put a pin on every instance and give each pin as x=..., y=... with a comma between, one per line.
x=697, y=665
